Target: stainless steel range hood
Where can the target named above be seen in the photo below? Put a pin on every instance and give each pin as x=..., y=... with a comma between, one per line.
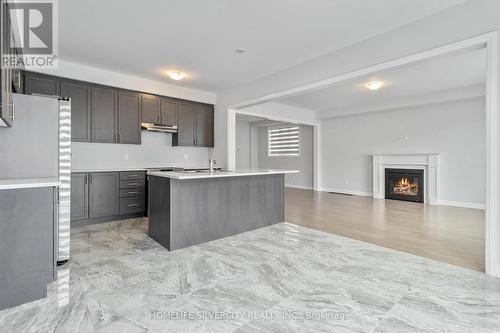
x=159, y=128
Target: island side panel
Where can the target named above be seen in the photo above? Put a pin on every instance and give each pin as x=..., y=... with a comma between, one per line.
x=211, y=208
x=159, y=210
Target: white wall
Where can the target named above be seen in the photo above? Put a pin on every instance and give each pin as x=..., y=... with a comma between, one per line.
x=243, y=150
x=303, y=163
x=155, y=151
x=456, y=130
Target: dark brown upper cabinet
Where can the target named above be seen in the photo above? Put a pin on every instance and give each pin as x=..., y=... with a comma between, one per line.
x=42, y=84
x=129, y=117
x=104, y=115
x=150, y=109
x=195, y=123
x=81, y=100
x=168, y=111
x=204, y=125
x=185, y=126
x=111, y=115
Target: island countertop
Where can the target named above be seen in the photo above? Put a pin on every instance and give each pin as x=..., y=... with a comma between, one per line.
x=218, y=174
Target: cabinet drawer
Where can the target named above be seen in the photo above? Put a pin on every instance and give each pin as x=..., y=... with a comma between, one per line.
x=132, y=192
x=133, y=175
x=132, y=205
x=132, y=183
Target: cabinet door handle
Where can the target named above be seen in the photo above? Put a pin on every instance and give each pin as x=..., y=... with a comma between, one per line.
x=133, y=184
x=133, y=192
x=133, y=205
x=86, y=179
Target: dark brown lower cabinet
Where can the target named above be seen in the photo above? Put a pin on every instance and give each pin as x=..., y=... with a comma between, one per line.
x=132, y=192
x=79, y=196
x=101, y=196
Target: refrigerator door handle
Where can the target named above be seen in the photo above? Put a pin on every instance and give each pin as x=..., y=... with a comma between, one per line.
x=56, y=232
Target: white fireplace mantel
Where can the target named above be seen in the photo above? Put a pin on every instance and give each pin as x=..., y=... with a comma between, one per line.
x=427, y=162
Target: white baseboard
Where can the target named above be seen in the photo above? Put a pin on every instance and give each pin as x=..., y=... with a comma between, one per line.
x=343, y=191
x=461, y=204
x=441, y=202
x=302, y=187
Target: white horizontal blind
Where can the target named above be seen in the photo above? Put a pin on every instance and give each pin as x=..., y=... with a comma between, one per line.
x=283, y=141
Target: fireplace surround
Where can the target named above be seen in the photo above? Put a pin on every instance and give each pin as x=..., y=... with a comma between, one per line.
x=429, y=163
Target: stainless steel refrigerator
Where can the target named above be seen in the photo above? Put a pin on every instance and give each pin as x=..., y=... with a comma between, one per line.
x=38, y=145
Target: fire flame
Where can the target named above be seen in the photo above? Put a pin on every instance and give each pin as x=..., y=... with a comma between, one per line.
x=406, y=187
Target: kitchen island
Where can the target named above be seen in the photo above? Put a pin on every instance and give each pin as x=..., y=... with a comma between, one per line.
x=194, y=207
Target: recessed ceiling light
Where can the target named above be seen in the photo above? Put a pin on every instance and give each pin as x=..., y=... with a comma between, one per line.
x=176, y=75
x=374, y=85
x=239, y=51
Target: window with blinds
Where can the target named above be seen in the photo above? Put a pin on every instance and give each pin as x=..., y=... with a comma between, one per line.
x=283, y=141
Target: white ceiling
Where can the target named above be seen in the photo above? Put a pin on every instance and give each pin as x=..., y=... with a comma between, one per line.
x=199, y=37
x=403, y=83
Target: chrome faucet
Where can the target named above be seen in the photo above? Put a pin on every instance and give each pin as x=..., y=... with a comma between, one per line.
x=211, y=164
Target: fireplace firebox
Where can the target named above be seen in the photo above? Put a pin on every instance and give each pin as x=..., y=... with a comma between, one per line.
x=404, y=184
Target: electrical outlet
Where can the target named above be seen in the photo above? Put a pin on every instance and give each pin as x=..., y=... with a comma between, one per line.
x=186, y=157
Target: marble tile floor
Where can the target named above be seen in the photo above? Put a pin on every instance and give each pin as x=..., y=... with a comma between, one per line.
x=282, y=278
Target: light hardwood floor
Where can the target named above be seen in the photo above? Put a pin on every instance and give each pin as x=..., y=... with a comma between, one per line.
x=449, y=234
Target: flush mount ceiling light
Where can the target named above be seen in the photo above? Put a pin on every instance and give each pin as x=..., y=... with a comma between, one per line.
x=374, y=85
x=176, y=75
x=239, y=51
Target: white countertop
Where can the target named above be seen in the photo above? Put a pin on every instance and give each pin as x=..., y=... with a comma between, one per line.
x=220, y=174
x=10, y=184
x=108, y=170
x=118, y=169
